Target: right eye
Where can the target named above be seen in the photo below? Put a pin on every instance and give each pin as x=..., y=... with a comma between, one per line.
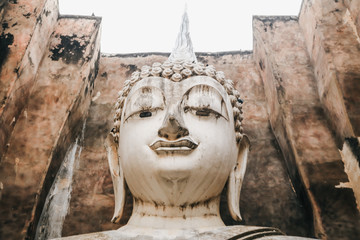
x=144, y=113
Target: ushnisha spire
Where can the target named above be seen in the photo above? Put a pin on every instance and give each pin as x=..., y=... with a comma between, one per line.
x=183, y=50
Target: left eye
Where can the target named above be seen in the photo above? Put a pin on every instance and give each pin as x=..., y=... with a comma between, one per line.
x=145, y=114
x=203, y=112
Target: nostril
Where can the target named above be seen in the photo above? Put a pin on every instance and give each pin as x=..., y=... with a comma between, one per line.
x=186, y=132
x=166, y=136
x=178, y=136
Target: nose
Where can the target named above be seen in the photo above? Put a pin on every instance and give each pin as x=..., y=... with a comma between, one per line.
x=173, y=128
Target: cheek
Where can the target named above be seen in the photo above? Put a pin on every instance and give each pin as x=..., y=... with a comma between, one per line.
x=217, y=132
x=216, y=138
x=136, y=132
x=136, y=136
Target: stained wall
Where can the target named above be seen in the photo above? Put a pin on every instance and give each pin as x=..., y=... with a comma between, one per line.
x=300, y=87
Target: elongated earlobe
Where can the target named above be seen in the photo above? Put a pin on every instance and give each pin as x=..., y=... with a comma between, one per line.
x=236, y=178
x=117, y=176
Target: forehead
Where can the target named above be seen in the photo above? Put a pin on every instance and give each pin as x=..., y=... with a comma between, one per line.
x=175, y=90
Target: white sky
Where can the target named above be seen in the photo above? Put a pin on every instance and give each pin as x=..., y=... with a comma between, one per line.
x=134, y=26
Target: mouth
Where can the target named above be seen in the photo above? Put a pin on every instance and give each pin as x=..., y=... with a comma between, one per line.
x=185, y=145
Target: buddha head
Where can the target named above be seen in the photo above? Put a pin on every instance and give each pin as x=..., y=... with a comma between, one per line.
x=178, y=138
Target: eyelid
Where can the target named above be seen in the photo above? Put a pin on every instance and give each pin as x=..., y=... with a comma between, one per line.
x=144, y=110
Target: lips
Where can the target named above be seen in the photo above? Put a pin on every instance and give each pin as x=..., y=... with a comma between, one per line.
x=181, y=145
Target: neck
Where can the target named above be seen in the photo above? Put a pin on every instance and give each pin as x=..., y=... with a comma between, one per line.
x=200, y=215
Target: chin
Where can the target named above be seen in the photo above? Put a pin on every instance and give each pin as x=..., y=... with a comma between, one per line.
x=174, y=175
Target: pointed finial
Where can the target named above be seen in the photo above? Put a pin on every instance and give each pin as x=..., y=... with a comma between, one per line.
x=183, y=50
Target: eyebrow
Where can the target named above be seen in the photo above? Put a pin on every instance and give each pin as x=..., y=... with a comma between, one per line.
x=201, y=86
x=135, y=92
x=198, y=81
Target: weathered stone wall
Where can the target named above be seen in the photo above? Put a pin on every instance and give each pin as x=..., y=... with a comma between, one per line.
x=332, y=41
x=300, y=87
x=51, y=96
x=26, y=28
x=300, y=125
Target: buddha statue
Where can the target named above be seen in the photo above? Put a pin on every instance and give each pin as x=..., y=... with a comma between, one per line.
x=177, y=141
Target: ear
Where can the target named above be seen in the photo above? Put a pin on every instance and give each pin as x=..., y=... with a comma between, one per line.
x=236, y=178
x=117, y=176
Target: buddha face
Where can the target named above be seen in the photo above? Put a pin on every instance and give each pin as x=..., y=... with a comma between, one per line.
x=177, y=142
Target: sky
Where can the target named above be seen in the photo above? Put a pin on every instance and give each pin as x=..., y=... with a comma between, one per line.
x=137, y=26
